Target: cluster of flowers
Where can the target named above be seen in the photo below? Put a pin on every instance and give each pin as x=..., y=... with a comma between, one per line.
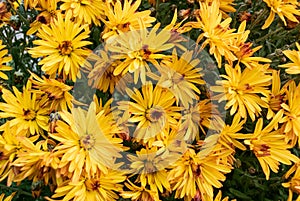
x=162, y=131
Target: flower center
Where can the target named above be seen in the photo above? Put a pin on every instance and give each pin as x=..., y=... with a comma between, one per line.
x=196, y=170
x=245, y=50
x=123, y=27
x=149, y=167
x=65, y=47
x=87, y=141
x=177, y=78
x=44, y=17
x=276, y=101
x=92, y=184
x=262, y=150
x=28, y=114
x=154, y=114
x=142, y=54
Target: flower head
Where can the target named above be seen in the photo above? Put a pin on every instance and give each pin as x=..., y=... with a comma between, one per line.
x=87, y=143
x=269, y=146
x=294, y=56
x=138, y=47
x=62, y=47
x=284, y=9
x=242, y=89
x=294, y=182
x=152, y=109
x=216, y=32
x=291, y=119
x=26, y=112
x=9, y=146
x=57, y=93
x=101, y=187
x=181, y=76
x=192, y=174
x=120, y=19
x=36, y=162
x=47, y=16
x=84, y=11
x=245, y=51
x=102, y=74
x=150, y=169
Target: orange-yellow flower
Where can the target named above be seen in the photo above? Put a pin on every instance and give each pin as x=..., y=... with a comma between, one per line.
x=137, y=48
x=152, y=109
x=216, y=32
x=242, y=90
x=294, y=56
x=269, y=146
x=87, y=143
x=294, y=182
x=26, y=112
x=123, y=16
x=194, y=173
x=284, y=9
x=291, y=119
x=84, y=11
x=62, y=47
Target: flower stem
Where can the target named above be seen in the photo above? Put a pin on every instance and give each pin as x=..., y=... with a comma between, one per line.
x=20, y=191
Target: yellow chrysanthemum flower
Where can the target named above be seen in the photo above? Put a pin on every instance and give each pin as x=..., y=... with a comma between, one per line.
x=9, y=146
x=150, y=169
x=84, y=11
x=242, y=89
x=193, y=173
x=291, y=119
x=56, y=93
x=47, y=15
x=102, y=74
x=277, y=96
x=124, y=16
x=86, y=141
x=196, y=119
x=217, y=32
x=294, y=56
x=284, y=9
x=229, y=134
x=294, y=182
x=170, y=144
x=25, y=110
x=137, y=193
x=138, y=47
x=3, y=60
x=269, y=146
x=62, y=47
x=180, y=76
x=152, y=109
x=245, y=52
x=36, y=162
x=5, y=13
x=103, y=187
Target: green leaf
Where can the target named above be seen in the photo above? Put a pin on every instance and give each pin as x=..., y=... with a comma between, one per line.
x=239, y=194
